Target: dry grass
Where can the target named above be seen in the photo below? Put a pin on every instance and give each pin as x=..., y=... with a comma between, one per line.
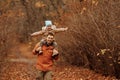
x=93, y=38
x=93, y=35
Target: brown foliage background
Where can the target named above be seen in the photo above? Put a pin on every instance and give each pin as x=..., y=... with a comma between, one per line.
x=93, y=38
x=95, y=35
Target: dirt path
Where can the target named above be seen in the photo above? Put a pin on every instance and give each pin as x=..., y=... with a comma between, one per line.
x=20, y=66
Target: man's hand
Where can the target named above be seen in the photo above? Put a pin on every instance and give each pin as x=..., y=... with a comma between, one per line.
x=55, y=54
x=34, y=52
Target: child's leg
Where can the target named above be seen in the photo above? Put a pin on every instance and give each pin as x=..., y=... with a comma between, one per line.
x=39, y=48
x=55, y=52
x=42, y=41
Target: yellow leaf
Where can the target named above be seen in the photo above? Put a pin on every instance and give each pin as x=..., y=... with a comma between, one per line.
x=39, y=4
x=111, y=64
x=93, y=1
x=110, y=57
x=98, y=54
x=103, y=51
x=83, y=9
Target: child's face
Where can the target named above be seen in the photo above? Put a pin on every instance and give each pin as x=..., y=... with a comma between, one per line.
x=49, y=28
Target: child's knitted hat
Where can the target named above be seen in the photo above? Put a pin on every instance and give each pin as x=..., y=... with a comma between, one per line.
x=48, y=22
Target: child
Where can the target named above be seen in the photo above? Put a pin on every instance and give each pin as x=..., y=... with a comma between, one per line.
x=48, y=28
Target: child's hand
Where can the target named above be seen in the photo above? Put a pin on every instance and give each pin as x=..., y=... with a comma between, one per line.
x=66, y=28
x=31, y=35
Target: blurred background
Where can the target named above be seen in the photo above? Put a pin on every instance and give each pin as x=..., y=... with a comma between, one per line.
x=92, y=40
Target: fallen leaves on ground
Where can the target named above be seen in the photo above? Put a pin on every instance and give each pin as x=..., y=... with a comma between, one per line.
x=26, y=71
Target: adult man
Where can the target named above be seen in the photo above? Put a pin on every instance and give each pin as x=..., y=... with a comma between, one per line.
x=45, y=60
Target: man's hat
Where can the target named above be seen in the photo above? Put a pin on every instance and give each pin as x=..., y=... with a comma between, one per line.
x=48, y=22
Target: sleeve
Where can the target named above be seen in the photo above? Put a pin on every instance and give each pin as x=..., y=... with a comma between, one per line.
x=38, y=33
x=53, y=27
x=60, y=29
x=43, y=28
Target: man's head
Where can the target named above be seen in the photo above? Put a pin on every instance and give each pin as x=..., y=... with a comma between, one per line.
x=50, y=38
